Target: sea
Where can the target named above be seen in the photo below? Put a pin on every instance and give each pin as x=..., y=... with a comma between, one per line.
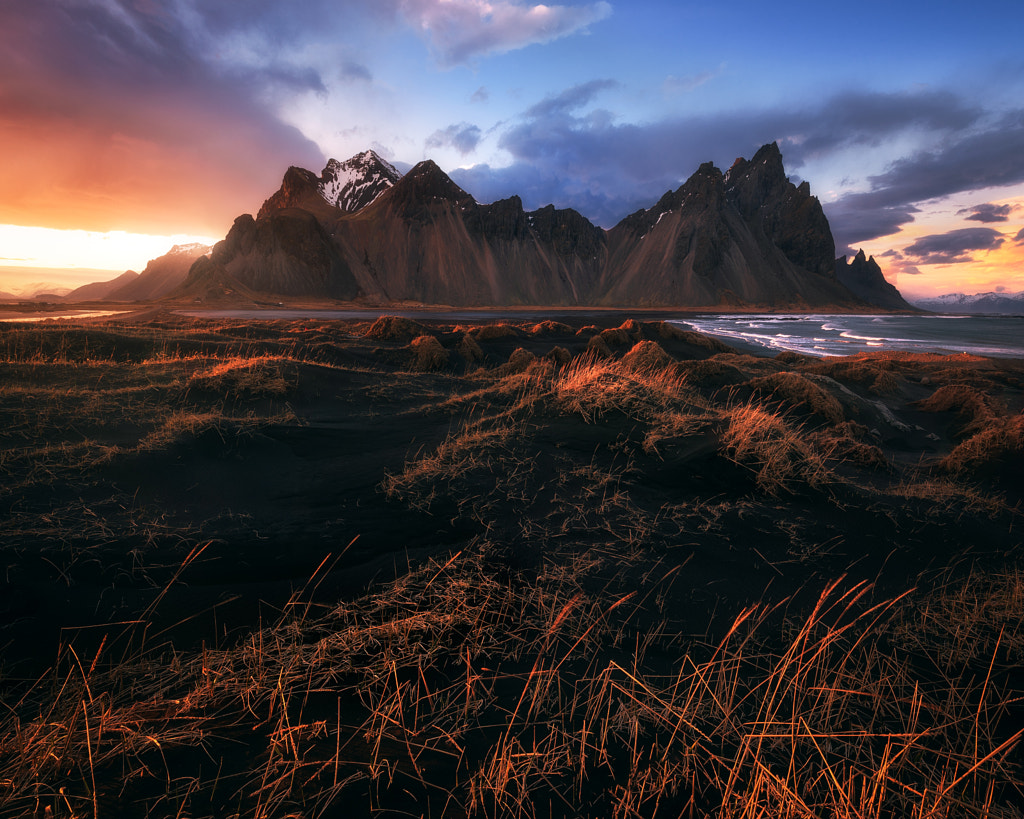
x=838, y=335
x=765, y=334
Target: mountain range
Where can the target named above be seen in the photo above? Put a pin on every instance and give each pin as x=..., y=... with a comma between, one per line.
x=981, y=303
x=362, y=232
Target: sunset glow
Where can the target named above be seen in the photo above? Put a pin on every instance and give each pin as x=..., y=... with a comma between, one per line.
x=50, y=249
x=125, y=120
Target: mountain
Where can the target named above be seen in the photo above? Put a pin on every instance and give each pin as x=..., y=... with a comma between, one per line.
x=991, y=303
x=286, y=252
x=746, y=237
x=864, y=278
x=348, y=186
x=361, y=232
x=99, y=291
x=427, y=240
x=161, y=276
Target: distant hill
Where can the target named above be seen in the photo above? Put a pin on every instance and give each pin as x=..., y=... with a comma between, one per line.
x=979, y=303
x=98, y=291
x=161, y=276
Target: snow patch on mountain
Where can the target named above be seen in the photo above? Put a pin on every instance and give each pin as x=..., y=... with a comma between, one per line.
x=357, y=182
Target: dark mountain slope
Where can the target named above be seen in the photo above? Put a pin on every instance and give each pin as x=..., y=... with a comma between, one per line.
x=161, y=276
x=749, y=237
x=864, y=278
x=286, y=253
x=427, y=240
x=360, y=232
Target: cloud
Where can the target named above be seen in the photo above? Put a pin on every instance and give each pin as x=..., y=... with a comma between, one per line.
x=481, y=95
x=673, y=85
x=560, y=105
x=990, y=154
x=576, y=155
x=1019, y=238
x=118, y=115
x=460, y=31
x=988, y=212
x=350, y=70
x=463, y=138
x=953, y=247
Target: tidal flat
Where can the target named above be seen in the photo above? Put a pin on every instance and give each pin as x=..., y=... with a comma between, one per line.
x=301, y=567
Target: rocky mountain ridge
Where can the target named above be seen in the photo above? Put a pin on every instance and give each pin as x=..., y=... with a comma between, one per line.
x=363, y=233
x=348, y=186
x=864, y=278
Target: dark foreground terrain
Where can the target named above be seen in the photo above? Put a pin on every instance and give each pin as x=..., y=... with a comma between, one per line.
x=301, y=568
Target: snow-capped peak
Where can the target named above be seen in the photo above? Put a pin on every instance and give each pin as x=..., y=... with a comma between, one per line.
x=192, y=248
x=355, y=183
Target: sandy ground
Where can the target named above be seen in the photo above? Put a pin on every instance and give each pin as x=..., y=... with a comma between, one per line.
x=172, y=483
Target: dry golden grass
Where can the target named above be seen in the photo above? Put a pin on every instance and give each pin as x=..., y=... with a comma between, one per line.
x=428, y=354
x=395, y=328
x=845, y=442
x=568, y=687
x=780, y=459
x=975, y=409
x=484, y=698
x=261, y=376
x=996, y=448
x=495, y=332
x=792, y=391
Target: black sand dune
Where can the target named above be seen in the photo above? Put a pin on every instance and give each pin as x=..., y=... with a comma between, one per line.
x=304, y=568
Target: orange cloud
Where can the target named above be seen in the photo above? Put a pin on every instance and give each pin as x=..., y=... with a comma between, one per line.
x=107, y=125
x=95, y=177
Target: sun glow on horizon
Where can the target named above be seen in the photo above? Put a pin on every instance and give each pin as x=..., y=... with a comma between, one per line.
x=116, y=250
x=971, y=269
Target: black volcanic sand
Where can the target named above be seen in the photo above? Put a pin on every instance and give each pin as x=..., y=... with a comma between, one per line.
x=428, y=521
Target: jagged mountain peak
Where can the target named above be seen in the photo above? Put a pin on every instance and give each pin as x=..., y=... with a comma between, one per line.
x=189, y=249
x=864, y=279
x=424, y=186
x=748, y=236
x=766, y=165
x=348, y=185
x=357, y=182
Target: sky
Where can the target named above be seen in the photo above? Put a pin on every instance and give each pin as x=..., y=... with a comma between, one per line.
x=127, y=126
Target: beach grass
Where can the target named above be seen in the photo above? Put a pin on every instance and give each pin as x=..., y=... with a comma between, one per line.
x=307, y=568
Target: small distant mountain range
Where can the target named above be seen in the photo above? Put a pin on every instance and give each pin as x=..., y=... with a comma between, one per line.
x=361, y=232
x=979, y=303
x=161, y=277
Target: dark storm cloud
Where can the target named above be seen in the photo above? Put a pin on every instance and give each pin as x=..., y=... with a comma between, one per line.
x=955, y=246
x=574, y=155
x=990, y=156
x=671, y=147
x=463, y=137
x=987, y=212
x=861, y=119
